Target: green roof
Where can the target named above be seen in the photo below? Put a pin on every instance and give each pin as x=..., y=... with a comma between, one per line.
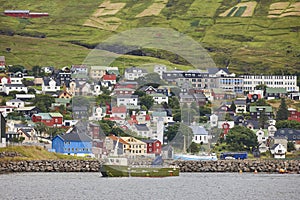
x=79, y=75
x=276, y=90
x=159, y=114
x=158, y=95
x=62, y=100
x=260, y=108
x=45, y=116
x=55, y=115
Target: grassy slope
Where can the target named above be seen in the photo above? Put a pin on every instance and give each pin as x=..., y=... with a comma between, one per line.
x=253, y=44
x=33, y=153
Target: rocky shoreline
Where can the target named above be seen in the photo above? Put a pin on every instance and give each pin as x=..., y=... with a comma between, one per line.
x=267, y=166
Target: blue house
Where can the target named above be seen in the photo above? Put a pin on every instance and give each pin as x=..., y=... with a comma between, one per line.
x=73, y=144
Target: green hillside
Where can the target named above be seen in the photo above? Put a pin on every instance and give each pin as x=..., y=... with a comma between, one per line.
x=247, y=36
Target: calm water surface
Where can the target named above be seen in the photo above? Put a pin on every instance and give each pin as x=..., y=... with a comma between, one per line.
x=187, y=186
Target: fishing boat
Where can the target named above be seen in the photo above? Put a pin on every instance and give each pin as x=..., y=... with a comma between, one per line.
x=117, y=166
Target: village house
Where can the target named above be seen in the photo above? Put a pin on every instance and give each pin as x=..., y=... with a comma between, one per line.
x=142, y=130
x=79, y=69
x=120, y=111
x=111, y=145
x=275, y=93
x=126, y=84
x=294, y=114
x=200, y=134
x=261, y=136
x=98, y=113
x=257, y=111
x=2, y=61
x=49, y=119
x=15, y=103
x=135, y=147
x=7, y=88
x=156, y=115
x=278, y=151
x=141, y=118
x=49, y=85
x=28, y=110
x=5, y=110
x=96, y=72
x=80, y=112
x=154, y=146
x=159, y=98
x=160, y=69
x=108, y=80
x=291, y=135
x=77, y=144
x=134, y=73
x=130, y=101
x=123, y=91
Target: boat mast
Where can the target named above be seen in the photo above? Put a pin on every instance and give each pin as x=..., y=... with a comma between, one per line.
x=116, y=148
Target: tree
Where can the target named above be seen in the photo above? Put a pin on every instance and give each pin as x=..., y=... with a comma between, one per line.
x=240, y=138
x=233, y=106
x=282, y=113
x=151, y=78
x=291, y=146
x=261, y=87
x=16, y=68
x=288, y=124
x=193, y=148
x=37, y=71
x=263, y=119
x=174, y=102
x=43, y=102
x=260, y=102
x=146, y=101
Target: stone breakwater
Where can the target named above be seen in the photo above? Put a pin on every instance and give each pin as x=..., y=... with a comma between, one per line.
x=267, y=166
x=50, y=166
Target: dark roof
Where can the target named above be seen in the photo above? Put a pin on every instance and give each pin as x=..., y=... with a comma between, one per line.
x=253, y=122
x=150, y=141
x=130, y=70
x=14, y=85
x=214, y=70
x=141, y=127
x=290, y=134
x=77, y=137
x=274, y=146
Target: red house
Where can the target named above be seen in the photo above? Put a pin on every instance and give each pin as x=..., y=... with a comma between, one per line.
x=49, y=119
x=153, y=146
x=294, y=115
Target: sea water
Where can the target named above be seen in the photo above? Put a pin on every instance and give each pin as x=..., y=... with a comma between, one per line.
x=194, y=186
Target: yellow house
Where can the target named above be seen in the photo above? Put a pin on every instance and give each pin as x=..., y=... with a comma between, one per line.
x=134, y=147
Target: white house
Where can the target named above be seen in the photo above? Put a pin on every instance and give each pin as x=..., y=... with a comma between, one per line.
x=16, y=80
x=6, y=109
x=49, y=85
x=213, y=119
x=119, y=112
x=271, y=130
x=130, y=101
x=272, y=81
x=142, y=130
x=15, y=103
x=134, y=73
x=278, y=151
x=156, y=115
x=261, y=136
x=96, y=89
x=200, y=134
x=7, y=88
x=160, y=69
x=159, y=98
x=98, y=113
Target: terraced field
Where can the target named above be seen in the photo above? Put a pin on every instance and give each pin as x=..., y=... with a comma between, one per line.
x=246, y=36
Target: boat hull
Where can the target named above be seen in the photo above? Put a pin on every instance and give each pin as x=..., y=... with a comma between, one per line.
x=126, y=171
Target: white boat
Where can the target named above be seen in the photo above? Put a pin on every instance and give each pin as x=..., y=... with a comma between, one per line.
x=208, y=157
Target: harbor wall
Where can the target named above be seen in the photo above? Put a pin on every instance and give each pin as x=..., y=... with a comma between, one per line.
x=267, y=166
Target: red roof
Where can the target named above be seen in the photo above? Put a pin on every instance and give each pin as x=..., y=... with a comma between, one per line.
x=121, y=109
x=8, y=81
x=111, y=77
x=147, y=117
x=116, y=138
x=251, y=95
